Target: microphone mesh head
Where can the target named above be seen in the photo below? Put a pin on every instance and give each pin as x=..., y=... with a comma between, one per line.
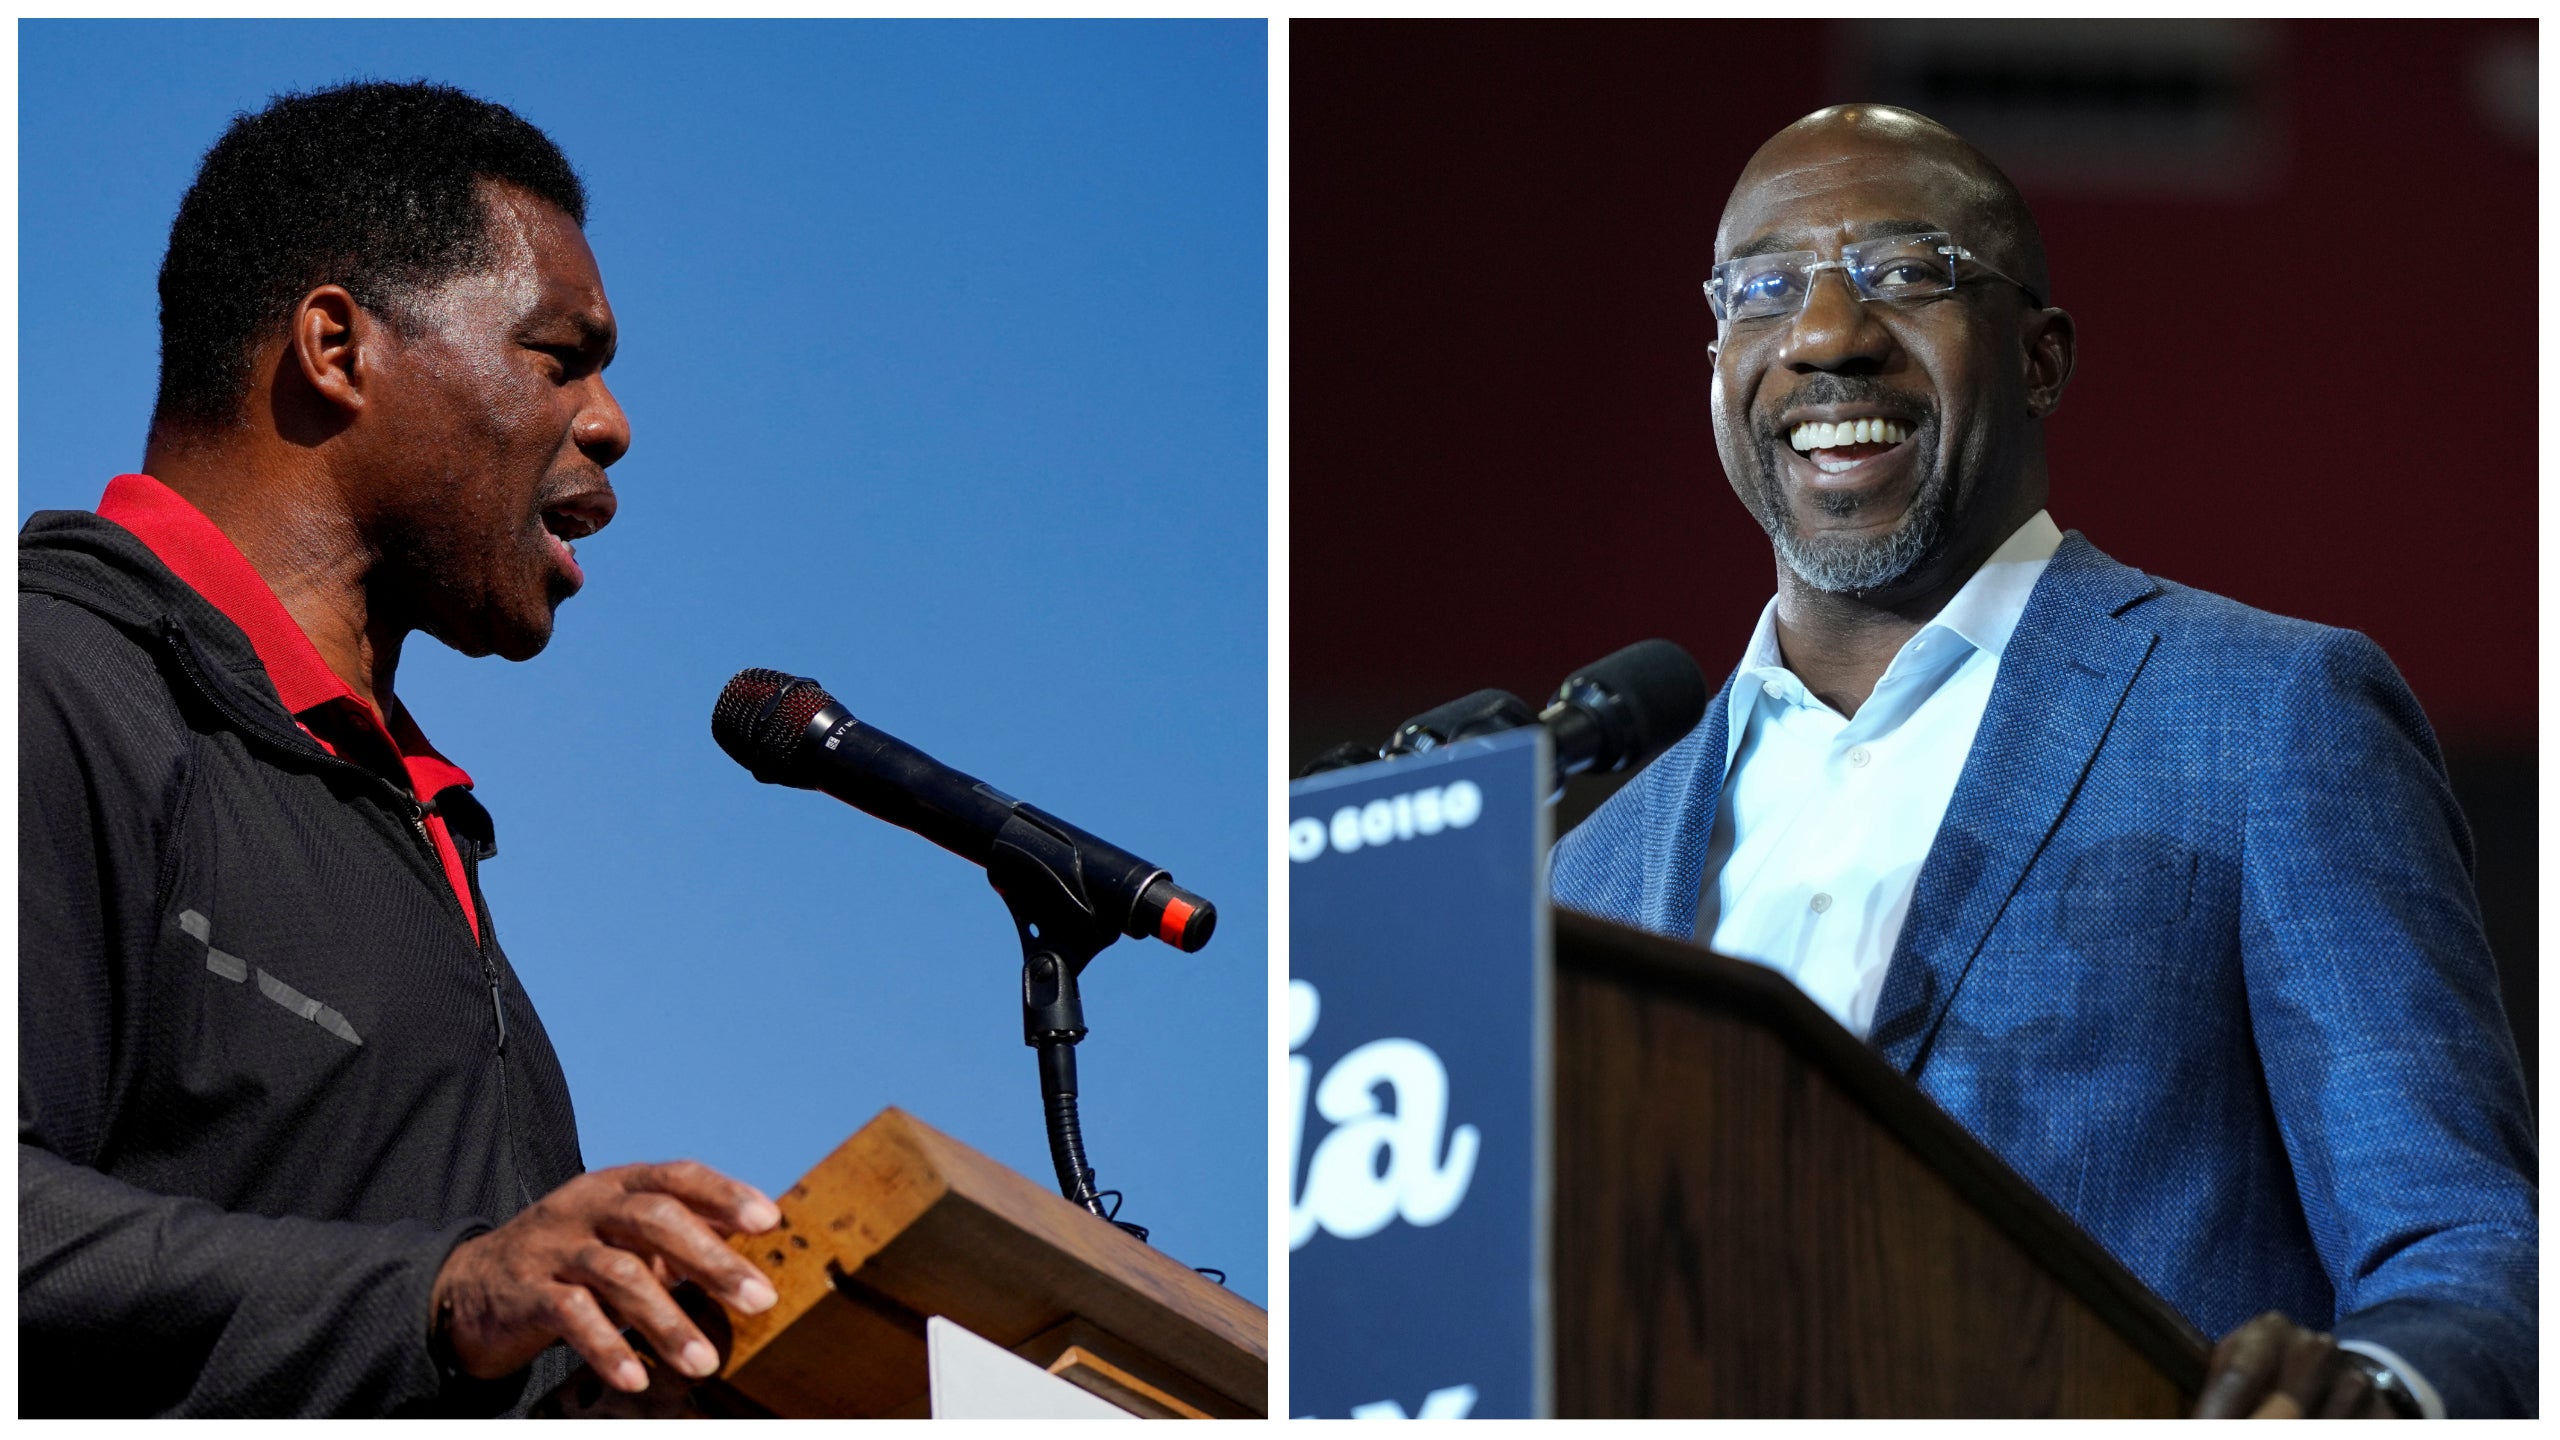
x=761, y=716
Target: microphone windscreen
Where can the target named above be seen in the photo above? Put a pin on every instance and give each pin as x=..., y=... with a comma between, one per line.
x=761, y=718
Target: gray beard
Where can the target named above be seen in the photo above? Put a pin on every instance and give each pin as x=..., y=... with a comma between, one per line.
x=1851, y=564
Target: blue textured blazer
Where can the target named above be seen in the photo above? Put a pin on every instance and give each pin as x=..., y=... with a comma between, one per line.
x=2196, y=950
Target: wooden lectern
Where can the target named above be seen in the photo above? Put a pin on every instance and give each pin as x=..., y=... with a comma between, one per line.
x=903, y=1222
x=1755, y=1215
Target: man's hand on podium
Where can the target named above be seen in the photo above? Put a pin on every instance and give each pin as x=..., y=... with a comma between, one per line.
x=2273, y=1369
x=595, y=1255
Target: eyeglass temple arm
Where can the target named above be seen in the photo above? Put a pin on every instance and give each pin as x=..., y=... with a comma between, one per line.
x=1962, y=253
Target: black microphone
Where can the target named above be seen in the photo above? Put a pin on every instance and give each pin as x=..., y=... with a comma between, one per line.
x=1340, y=757
x=787, y=730
x=1486, y=712
x=1620, y=711
x=1616, y=713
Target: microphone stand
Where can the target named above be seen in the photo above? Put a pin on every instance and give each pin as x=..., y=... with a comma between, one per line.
x=1036, y=871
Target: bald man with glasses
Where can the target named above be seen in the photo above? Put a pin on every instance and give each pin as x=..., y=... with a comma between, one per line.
x=2165, y=898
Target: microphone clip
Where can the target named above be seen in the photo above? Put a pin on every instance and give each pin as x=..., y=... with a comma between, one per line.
x=1038, y=874
x=1036, y=871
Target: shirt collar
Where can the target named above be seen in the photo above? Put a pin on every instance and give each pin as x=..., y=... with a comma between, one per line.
x=1984, y=612
x=1762, y=652
x=197, y=552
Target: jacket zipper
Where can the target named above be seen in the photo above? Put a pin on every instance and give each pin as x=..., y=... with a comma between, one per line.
x=418, y=811
x=506, y=1094
x=184, y=653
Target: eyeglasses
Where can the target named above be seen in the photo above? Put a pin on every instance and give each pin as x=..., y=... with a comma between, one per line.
x=1895, y=268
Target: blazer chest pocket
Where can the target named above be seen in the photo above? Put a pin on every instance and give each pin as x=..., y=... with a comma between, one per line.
x=2125, y=885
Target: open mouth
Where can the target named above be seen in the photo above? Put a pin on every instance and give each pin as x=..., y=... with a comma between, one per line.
x=1836, y=448
x=565, y=528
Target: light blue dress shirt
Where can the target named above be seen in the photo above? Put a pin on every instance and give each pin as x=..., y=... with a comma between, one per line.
x=1825, y=818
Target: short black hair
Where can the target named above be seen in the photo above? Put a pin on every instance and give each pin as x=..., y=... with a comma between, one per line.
x=372, y=185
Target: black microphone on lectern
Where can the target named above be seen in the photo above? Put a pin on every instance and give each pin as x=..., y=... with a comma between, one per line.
x=1621, y=710
x=787, y=730
x=1616, y=713
x=1486, y=712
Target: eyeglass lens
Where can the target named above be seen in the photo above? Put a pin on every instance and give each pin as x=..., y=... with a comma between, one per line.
x=1900, y=267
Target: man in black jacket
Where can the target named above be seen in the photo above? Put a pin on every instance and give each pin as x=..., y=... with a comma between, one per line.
x=291, y=1138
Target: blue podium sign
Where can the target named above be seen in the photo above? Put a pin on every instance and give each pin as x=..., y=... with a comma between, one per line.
x=1418, y=1061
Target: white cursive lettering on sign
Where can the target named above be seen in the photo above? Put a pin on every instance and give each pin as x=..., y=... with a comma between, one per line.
x=1376, y=1163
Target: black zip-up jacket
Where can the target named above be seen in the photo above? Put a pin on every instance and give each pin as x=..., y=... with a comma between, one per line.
x=267, y=1079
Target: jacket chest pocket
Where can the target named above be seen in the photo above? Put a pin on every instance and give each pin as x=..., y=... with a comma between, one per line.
x=2124, y=886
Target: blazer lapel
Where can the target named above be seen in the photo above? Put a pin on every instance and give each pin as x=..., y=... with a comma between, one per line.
x=1679, y=814
x=2062, y=680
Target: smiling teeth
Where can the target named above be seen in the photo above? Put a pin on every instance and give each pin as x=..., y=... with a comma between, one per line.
x=1816, y=435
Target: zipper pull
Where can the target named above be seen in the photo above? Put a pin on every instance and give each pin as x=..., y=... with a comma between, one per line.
x=497, y=1007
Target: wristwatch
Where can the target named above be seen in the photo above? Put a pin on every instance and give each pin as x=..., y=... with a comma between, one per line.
x=2395, y=1392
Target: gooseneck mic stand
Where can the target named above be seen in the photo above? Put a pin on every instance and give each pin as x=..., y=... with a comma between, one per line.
x=1035, y=869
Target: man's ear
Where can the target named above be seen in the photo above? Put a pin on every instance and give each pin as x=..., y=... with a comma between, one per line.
x=2052, y=347
x=331, y=345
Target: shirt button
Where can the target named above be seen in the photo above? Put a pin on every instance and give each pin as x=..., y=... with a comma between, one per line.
x=1858, y=756
x=1821, y=903
x=1772, y=689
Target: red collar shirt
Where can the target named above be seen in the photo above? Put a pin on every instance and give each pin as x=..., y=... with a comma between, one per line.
x=325, y=706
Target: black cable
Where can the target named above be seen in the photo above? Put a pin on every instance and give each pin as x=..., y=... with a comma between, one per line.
x=1066, y=1135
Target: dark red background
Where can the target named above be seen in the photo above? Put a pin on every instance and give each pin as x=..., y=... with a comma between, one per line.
x=2317, y=396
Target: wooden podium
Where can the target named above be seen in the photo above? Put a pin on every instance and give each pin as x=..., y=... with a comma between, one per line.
x=1755, y=1215
x=903, y=1222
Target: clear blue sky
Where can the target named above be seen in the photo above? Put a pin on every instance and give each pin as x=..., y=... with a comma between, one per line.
x=943, y=347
